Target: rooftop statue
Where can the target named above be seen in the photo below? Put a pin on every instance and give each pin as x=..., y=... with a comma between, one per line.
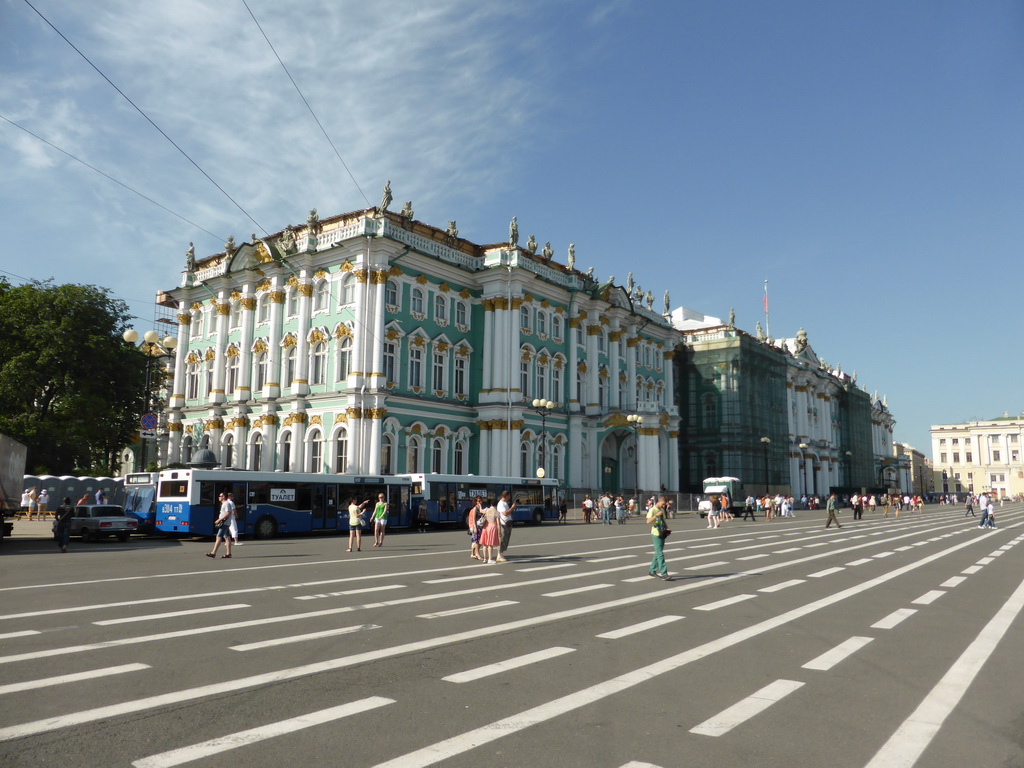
x=759, y=330
x=229, y=246
x=571, y=261
x=668, y=302
x=513, y=234
x=531, y=244
x=547, y=253
x=385, y=201
x=190, y=258
x=452, y=231
x=407, y=210
x=732, y=317
x=629, y=283
x=287, y=241
x=312, y=222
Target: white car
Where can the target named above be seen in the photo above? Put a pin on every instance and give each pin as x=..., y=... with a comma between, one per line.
x=92, y=521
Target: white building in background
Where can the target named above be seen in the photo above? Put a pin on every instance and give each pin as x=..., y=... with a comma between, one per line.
x=980, y=456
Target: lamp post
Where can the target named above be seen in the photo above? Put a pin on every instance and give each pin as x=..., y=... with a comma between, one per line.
x=803, y=465
x=543, y=408
x=635, y=422
x=153, y=347
x=766, y=441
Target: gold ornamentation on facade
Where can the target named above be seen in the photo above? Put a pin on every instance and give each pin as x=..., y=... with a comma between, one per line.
x=632, y=342
x=575, y=322
x=395, y=270
x=488, y=305
x=346, y=266
x=276, y=297
x=464, y=293
x=259, y=347
x=321, y=274
x=559, y=310
x=616, y=335
x=249, y=304
x=500, y=302
x=235, y=295
x=391, y=334
x=232, y=351
x=193, y=358
x=416, y=429
x=305, y=289
x=462, y=351
x=421, y=279
x=377, y=413
x=189, y=430
x=517, y=302
x=263, y=285
x=418, y=341
x=341, y=418
x=361, y=276
x=196, y=306
x=262, y=253
x=173, y=426
x=354, y=413
x=289, y=341
x=292, y=281
x=316, y=336
x=622, y=377
x=559, y=363
x=238, y=421
x=444, y=288
x=545, y=303
x=223, y=309
x=266, y=420
x=184, y=319
x=210, y=355
x=669, y=354
x=316, y=421
x=526, y=356
x=342, y=332
x=594, y=330
x=442, y=346
x=603, y=373
x=295, y=418
x=379, y=277
x=582, y=367
x=214, y=424
x=543, y=359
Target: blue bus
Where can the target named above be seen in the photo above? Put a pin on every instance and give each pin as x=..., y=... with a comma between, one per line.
x=271, y=503
x=448, y=498
x=140, y=499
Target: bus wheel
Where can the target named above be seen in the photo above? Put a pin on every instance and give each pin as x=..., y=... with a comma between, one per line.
x=538, y=517
x=265, y=528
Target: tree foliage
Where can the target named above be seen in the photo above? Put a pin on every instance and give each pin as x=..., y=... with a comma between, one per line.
x=71, y=389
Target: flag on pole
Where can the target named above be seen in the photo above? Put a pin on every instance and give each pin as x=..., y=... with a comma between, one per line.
x=766, y=297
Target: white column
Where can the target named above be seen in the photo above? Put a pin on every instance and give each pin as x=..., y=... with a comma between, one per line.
x=274, y=369
x=376, y=364
x=614, y=360
x=483, y=451
x=670, y=379
x=177, y=398
x=488, y=350
x=593, y=368
x=301, y=383
x=243, y=391
x=221, y=310
x=631, y=402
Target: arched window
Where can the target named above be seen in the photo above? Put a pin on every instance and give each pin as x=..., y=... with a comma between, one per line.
x=344, y=358
x=556, y=380
x=289, y=365
x=415, y=366
x=293, y=301
x=441, y=309
x=542, y=379
x=460, y=458
x=319, y=367
x=232, y=377
x=524, y=376
x=321, y=296
x=710, y=413
x=437, y=456
x=256, y=459
x=186, y=449
x=556, y=462
x=261, y=372
x=348, y=289
x=229, y=451
x=602, y=390
x=192, y=391
x=412, y=463
x=524, y=318
x=387, y=454
x=235, y=318
x=264, y=308
x=579, y=387
x=341, y=453
x=461, y=378
x=556, y=327
x=710, y=465
x=196, y=328
x=440, y=371
x=391, y=293
x=542, y=322
x=209, y=376
x=416, y=303
x=316, y=452
x=524, y=460
x=461, y=316
x=286, y=452
x=390, y=355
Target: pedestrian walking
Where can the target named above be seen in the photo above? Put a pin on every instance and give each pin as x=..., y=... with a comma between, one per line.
x=380, y=520
x=223, y=526
x=33, y=495
x=505, y=509
x=476, y=526
x=830, y=507
x=563, y=510
x=26, y=499
x=657, y=520
x=489, y=537
x=234, y=520
x=62, y=523
x=970, y=507
x=356, y=521
x=588, y=508
x=43, y=504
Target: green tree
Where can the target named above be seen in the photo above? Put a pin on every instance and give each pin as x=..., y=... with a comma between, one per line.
x=71, y=389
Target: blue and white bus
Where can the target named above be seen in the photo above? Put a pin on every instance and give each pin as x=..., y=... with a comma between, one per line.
x=448, y=498
x=269, y=503
x=140, y=499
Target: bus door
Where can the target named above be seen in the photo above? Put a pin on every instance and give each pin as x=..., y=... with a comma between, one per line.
x=447, y=505
x=331, y=505
x=323, y=515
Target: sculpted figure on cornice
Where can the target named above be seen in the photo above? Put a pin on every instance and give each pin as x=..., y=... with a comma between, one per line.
x=407, y=210
x=190, y=258
x=385, y=201
x=531, y=244
x=571, y=259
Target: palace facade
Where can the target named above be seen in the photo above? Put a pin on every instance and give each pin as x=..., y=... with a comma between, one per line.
x=372, y=343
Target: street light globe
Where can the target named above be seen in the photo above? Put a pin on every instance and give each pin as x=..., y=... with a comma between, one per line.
x=804, y=446
x=169, y=342
x=537, y=402
x=131, y=336
x=540, y=472
x=766, y=440
x=151, y=337
x=549, y=404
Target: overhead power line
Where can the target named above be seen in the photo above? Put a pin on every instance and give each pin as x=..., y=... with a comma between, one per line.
x=304, y=101
x=148, y=119
x=108, y=176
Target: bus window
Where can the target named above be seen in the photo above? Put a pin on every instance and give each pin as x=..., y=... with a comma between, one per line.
x=207, y=493
x=174, y=489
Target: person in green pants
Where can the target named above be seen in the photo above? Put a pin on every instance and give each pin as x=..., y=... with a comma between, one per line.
x=656, y=519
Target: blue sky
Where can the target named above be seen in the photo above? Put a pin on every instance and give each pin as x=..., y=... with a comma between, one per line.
x=863, y=157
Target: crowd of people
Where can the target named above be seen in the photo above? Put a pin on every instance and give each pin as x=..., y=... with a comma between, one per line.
x=608, y=508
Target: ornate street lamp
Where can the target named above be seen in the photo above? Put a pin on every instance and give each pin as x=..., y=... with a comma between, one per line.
x=635, y=422
x=543, y=408
x=766, y=441
x=154, y=348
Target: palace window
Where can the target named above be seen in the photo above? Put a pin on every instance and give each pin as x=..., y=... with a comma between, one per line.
x=441, y=309
x=461, y=316
x=390, y=353
x=232, y=378
x=321, y=296
x=439, y=377
x=344, y=358
x=316, y=453
x=319, y=364
x=415, y=367
x=289, y=366
x=460, y=376
x=348, y=289
x=341, y=452
x=416, y=306
x=261, y=372
x=391, y=293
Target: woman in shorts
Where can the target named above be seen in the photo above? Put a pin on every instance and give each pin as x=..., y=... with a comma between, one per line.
x=355, y=524
x=380, y=520
x=475, y=520
x=490, y=535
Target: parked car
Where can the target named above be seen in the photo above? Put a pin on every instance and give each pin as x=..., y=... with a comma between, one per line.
x=94, y=520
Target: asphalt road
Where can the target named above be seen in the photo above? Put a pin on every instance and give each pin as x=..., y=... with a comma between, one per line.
x=886, y=643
